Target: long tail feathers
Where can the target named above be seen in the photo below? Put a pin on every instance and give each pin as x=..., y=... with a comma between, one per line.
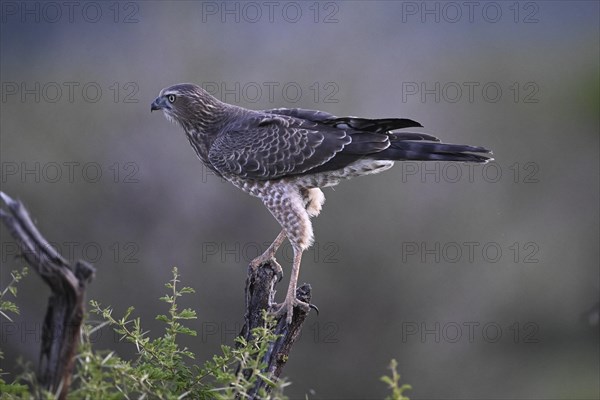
x=404, y=145
x=426, y=151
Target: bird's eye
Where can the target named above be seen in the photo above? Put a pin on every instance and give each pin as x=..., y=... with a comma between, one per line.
x=171, y=98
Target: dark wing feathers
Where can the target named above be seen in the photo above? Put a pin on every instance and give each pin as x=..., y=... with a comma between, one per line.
x=359, y=124
x=373, y=125
x=268, y=147
x=367, y=143
x=412, y=136
x=275, y=143
x=301, y=113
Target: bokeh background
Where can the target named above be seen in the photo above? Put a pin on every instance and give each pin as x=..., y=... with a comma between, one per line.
x=482, y=282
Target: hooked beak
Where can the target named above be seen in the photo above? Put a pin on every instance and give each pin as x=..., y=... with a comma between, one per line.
x=158, y=104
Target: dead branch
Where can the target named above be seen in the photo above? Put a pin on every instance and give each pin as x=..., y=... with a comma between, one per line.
x=260, y=292
x=64, y=314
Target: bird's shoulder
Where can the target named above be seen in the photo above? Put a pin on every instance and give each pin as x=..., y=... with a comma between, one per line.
x=264, y=122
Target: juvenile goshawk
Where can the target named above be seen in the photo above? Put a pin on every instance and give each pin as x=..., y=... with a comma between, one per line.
x=284, y=156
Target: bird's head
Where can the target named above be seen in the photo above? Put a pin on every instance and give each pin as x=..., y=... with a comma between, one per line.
x=187, y=104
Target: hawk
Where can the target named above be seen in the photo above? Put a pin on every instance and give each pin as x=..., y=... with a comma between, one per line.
x=284, y=156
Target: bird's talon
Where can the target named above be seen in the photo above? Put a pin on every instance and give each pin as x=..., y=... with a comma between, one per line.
x=287, y=308
x=310, y=305
x=256, y=263
x=277, y=269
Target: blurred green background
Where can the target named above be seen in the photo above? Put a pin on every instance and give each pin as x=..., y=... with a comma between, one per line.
x=478, y=280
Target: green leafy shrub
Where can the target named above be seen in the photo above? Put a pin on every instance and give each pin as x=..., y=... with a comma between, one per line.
x=392, y=382
x=162, y=369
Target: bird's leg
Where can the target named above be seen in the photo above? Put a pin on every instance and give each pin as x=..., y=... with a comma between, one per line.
x=269, y=255
x=287, y=307
x=290, y=207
